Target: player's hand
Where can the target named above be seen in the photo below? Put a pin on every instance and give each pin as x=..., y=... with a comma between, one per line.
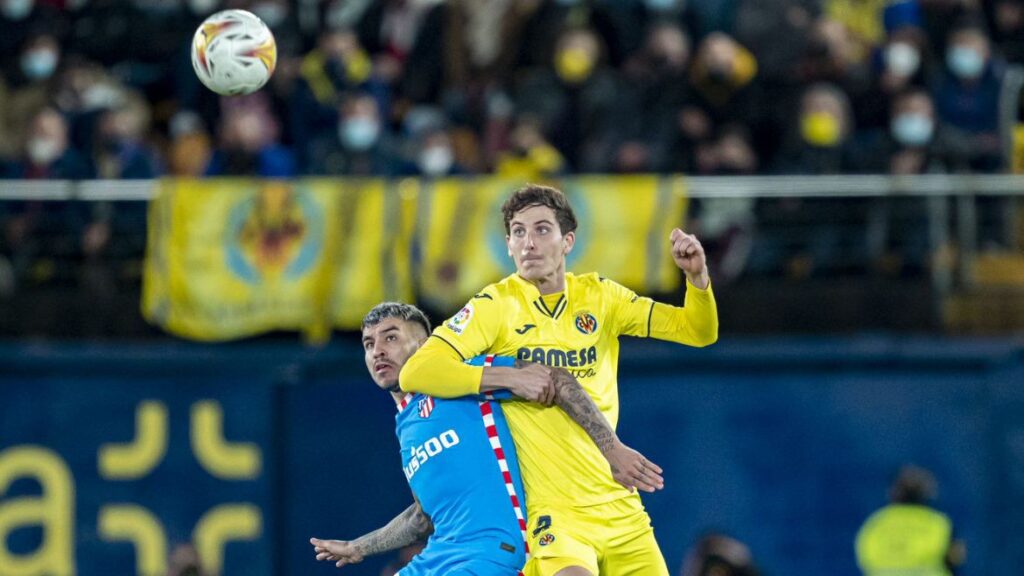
x=631, y=469
x=341, y=552
x=534, y=382
x=689, y=256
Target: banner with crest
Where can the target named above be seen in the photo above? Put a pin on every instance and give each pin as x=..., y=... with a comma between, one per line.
x=230, y=258
x=235, y=258
x=624, y=224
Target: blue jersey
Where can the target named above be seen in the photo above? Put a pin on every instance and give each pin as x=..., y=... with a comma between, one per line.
x=461, y=464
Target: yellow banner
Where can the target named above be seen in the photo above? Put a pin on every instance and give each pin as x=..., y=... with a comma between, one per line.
x=228, y=259
x=374, y=258
x=234, y=258
x=624, y=224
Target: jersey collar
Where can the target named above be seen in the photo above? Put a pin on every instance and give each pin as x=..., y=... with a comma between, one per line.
x=531, y=291
x=405, y=401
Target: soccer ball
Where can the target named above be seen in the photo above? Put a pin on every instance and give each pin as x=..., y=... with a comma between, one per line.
x=234, y=52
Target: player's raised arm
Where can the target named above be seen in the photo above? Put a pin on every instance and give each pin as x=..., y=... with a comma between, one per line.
x=409, y=526
x=695, y=323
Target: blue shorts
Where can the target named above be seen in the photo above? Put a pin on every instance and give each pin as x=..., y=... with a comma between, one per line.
x=448, y=564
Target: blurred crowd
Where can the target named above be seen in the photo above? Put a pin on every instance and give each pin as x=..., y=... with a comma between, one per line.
x=526, y=88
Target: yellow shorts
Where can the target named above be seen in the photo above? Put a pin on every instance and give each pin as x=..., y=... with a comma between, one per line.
x=612, y=539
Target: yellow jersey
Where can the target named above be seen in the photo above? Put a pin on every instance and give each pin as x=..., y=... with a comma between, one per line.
x=580, y=332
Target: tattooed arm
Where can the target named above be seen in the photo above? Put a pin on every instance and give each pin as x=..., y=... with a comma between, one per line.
x=408, y=527
x=629, y=467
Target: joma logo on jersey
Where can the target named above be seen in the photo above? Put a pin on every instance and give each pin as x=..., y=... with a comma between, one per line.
x=555, y=357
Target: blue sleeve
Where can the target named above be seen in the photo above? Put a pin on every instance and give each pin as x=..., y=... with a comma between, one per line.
x=505, y=361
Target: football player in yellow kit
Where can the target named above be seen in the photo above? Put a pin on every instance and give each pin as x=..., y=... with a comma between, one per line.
x=581, y=521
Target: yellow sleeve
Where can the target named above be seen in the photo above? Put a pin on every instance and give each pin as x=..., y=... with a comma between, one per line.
x=695, y=323
x=437, y=368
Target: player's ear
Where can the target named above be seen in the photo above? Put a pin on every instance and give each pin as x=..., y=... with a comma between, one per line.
x=568, y=241
x=508, y=246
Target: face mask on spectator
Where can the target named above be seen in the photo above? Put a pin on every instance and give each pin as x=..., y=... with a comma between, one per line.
x=912, y=129
x=42, y=151
x=902, y=59
x=574, y=65
x=39, y=64
x=965, y=62
x=820, y=129
x=359, y=133
x=436, y=160
x=272, y=13
x=17, y=9
x=203, y=7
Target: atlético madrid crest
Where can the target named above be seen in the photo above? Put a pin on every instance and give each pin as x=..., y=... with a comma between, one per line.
x=426, y=407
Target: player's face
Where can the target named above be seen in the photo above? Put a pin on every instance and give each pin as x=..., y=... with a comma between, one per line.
x=386, y=346
x=536, y=243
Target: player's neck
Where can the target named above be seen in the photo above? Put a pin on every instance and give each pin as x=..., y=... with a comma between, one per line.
x=551, y=284
x=398, y=398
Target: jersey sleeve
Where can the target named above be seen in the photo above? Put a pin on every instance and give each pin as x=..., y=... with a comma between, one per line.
x=695, y=323
x=439, y=367
x=630, y=314
x=474, y=328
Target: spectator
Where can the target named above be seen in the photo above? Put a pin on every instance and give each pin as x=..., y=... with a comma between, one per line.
x=184, y=561
x=833, y=55
x=361, y=144
x=915, y=141
x=120, y=150
x=1007, y=24
x=718, y=555
x=30, y=89
x=249, y=143
x=547, y=20
x=967, y=95
x=530, y=157
x=909, y=535
x=903, y=61
x=435, y=156
x=337, y=66
x=777, y=31
x=653, y=90
x=387, y=29
x=37, y=231
x=20, y=20
x=190, y=147
x=47, y=153
x=819, y=143
x=863, y=19
x=574, y=98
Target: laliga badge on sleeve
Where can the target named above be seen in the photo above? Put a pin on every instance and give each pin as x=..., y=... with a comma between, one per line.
x=461, y=320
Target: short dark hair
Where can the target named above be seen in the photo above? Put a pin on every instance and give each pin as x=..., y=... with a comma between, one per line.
x=913, y=485
x=537, y=195
x=399, y=310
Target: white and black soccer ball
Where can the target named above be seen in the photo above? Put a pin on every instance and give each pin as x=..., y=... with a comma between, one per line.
x=234, y=52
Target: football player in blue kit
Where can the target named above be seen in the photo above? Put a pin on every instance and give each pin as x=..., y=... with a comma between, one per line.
x=459, y=458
